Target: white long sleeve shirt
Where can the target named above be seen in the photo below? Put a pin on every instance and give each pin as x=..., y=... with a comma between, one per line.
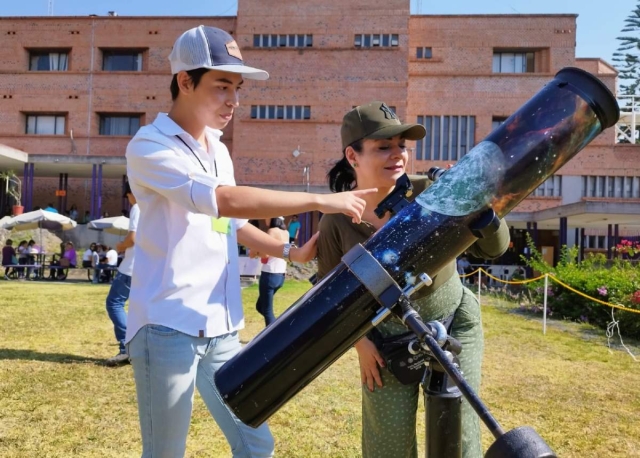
x=126, y=266
x=186, y=274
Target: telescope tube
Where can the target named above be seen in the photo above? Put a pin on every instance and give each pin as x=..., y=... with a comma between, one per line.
x=442, y=222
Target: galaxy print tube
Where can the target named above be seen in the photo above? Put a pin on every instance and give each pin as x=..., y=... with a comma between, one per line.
x=498, y=173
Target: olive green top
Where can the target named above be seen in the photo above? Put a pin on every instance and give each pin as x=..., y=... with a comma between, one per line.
x=338, y=234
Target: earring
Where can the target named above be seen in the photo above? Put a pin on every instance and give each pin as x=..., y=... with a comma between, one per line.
x=354, y=165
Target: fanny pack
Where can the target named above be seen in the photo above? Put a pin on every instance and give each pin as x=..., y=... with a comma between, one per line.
x=407, y=368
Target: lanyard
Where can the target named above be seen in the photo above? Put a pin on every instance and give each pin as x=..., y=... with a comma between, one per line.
x=198, y=159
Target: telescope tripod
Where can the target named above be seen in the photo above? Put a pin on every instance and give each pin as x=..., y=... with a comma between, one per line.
x=444, y=387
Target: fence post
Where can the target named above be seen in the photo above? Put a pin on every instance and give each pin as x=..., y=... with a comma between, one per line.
x=479, y=283
x=544, y=309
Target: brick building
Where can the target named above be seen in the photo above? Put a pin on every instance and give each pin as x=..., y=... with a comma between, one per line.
x=75, y=89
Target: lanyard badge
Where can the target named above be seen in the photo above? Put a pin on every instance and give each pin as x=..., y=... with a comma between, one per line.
x=221, y=225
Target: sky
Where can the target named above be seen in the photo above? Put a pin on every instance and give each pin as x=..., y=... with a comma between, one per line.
x=599, y=22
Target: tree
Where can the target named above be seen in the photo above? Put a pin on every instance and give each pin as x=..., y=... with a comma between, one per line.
x=627, y=60
x=13, y=185
x=627, y=57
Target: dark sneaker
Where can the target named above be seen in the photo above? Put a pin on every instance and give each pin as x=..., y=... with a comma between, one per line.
x=117, y=360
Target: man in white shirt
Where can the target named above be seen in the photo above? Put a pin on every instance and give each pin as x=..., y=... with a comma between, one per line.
x=119, y=291
x=112, y=256
x=185, y=308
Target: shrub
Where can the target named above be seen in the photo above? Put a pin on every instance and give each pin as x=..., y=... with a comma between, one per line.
x=616, y=282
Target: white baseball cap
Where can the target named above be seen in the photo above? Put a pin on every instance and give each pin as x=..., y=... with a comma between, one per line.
x=212, y=48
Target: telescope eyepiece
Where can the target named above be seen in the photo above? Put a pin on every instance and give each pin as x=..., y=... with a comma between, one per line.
x=435, y=172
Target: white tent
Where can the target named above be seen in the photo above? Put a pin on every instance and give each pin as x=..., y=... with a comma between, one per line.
x=3, y=221
x=40, y=219
x=118, y=225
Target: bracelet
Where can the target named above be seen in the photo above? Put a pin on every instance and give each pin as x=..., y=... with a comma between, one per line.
x=287, y=250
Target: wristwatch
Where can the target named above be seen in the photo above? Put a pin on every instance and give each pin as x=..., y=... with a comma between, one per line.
x=286, y=250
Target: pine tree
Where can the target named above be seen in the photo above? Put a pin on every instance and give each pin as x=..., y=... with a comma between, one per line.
x=627, y=58
x=627, y=61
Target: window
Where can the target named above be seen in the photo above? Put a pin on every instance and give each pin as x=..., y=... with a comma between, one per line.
x=424, y=53
x=49, y=61
x=513, y=62
x=378, y=40
x=448, y=137
x=45, y=124
x=121, y=61
x=497, y=121
x=126, y=125
x=596, y=241
x=280, y=112
x=613, y=187
x=552, y=187
x=282, y=41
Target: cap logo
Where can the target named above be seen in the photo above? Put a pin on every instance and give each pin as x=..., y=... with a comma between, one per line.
x=388, y=114
x=233, y=49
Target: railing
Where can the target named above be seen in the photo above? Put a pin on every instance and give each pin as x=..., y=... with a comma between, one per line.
x=627, y=127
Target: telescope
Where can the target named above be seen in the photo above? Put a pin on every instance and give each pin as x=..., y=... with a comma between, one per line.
x=376, y=279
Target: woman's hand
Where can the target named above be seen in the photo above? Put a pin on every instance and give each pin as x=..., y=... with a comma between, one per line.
x=306, y=252
x=350, y=203
x=370, y=359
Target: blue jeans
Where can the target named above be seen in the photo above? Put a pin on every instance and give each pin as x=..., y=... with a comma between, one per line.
x=269, y=284
x=167, y=366
x=118, y=295
x=98, y=270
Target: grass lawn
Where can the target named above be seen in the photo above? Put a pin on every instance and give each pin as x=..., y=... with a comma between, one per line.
x=58, y=400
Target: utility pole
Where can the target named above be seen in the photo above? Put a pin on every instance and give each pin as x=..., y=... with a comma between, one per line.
x=50, y=7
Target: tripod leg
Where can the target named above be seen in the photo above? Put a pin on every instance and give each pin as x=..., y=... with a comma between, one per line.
x=443, y=402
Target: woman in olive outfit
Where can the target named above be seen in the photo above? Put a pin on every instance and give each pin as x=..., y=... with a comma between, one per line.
x=374, y=156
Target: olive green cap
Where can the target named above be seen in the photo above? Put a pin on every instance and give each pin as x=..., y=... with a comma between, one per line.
x=376, y=120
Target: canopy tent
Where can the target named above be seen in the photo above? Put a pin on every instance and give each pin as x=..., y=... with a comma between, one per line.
x=40, y=219
x=118, y=225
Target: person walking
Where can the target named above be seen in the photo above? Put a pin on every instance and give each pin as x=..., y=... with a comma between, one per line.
x=272, y=272
x=121, y=285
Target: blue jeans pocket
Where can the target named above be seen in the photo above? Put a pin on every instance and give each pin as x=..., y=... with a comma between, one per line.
x=161, y=330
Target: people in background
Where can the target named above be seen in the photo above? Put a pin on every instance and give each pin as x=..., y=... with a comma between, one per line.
x=32, y=251
x=8, y=258
x=50, y=208
x=88, y=256
x=87, y=217
x=22, y=254
x=73, y=212
x=112, y=256
x=68, y=260
x=119, y=291
x=463, y=266
x=273, y=272
x=294, y=229
x=100, y=264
